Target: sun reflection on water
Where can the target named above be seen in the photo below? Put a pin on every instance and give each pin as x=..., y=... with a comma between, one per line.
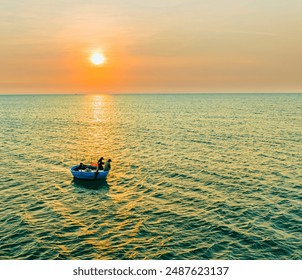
x=97, y=108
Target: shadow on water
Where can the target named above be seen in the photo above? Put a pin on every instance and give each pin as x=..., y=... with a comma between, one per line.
x=91, y=185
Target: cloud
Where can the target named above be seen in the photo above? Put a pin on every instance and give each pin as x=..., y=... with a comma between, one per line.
x=246, y=32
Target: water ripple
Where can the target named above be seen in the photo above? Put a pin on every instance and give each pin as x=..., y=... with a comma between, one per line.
x=194, y=177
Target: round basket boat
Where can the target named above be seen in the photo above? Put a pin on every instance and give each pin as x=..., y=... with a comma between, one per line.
x=89, y=173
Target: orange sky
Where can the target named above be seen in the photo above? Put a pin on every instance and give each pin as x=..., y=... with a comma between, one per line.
x=158, y=46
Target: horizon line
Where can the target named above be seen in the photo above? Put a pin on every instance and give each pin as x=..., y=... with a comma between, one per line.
x=145, y=93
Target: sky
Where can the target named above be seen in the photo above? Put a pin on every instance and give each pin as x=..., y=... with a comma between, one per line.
x=159, y=46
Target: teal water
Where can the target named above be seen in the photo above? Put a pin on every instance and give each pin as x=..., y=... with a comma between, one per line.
x=193, y=177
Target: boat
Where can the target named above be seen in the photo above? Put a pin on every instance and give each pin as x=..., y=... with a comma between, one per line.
x=89, y=173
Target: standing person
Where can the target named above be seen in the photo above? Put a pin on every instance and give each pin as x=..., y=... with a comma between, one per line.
x=100, y=164
x=107, y=165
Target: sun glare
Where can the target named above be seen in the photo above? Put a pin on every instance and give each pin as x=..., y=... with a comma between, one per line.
x=97, y=58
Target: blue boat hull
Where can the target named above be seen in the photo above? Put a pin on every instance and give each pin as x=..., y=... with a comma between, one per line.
x=90, y=173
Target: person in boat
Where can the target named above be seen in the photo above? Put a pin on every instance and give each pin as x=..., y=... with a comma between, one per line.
x=107, y=165
x=81, y=166
x=100, y=164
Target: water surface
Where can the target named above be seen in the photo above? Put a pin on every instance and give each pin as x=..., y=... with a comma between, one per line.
x=193, y=177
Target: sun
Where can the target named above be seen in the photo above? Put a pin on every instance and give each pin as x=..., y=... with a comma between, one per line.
x=97, y=58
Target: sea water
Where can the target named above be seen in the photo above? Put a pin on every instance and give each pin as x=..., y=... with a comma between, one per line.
x=214, y=176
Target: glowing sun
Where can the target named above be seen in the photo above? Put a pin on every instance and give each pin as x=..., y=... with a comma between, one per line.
x=97, y=58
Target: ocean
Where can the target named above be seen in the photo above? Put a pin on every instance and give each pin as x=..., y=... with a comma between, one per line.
x=194, y=177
